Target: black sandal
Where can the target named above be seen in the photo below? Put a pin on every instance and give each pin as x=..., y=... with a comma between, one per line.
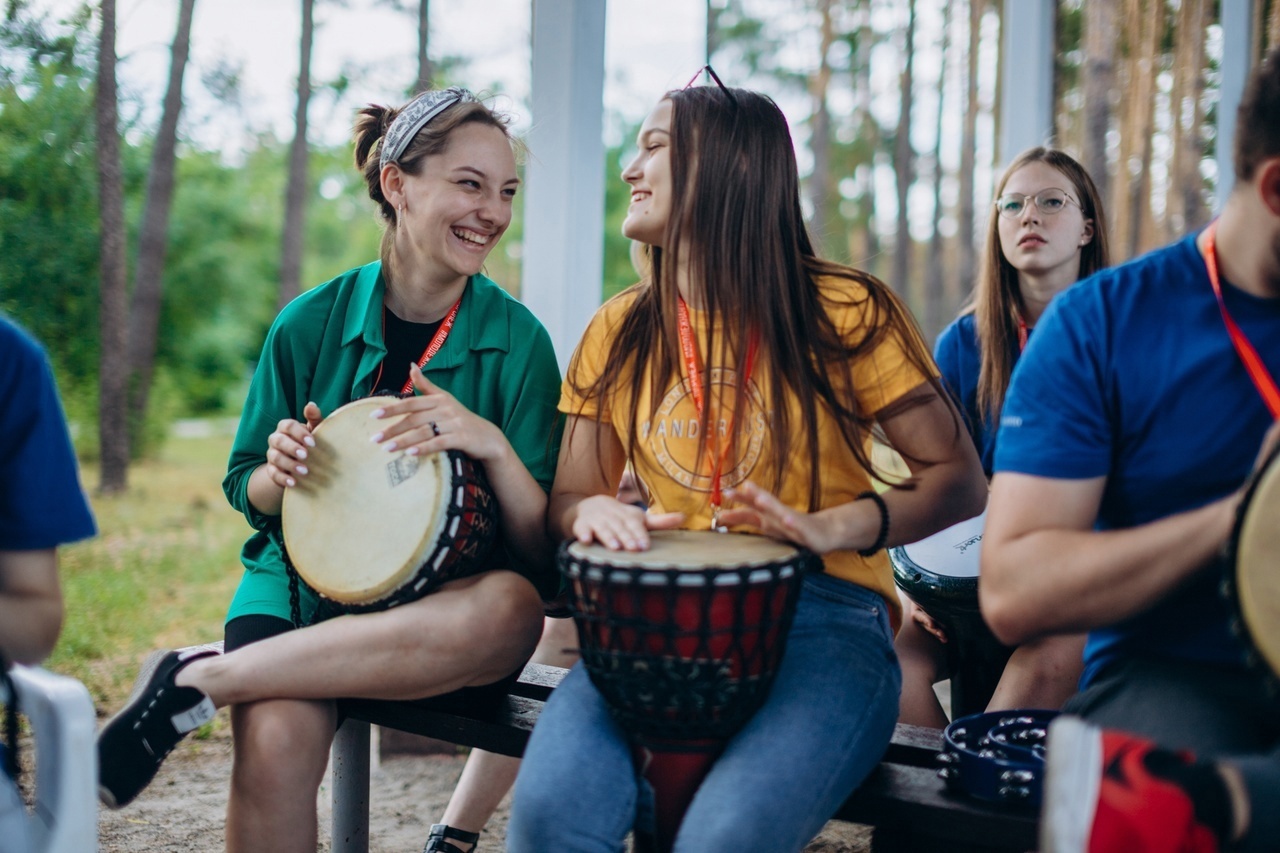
x=438, y=839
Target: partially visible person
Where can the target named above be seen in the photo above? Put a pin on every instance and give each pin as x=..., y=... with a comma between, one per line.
x=471, y=370
x=742, y=378
x=1046, y=231
x=42, y=504
x=1136, y=417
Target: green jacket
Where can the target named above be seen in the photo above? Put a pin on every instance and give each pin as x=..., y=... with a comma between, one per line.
x=326, y=346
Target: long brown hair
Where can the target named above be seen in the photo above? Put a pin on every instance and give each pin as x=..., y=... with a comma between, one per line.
x=736, y=227
x=997, y=299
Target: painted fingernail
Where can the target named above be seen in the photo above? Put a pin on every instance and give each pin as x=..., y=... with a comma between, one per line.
x=302, y=469
x=412, y=451
x=302, y=454
x=377, y=413
x=376, y=437
x=391, y=445
x=309, y=441
x=289, y=481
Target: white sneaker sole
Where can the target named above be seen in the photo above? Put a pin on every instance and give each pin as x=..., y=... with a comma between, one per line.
x=1073, y=774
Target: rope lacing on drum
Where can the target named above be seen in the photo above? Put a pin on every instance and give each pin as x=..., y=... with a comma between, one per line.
x=10, y=719
x=703, y=680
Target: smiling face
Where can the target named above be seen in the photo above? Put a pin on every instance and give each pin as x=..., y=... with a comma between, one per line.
x=1040, y=244
x=649, y=175
x=455, y=210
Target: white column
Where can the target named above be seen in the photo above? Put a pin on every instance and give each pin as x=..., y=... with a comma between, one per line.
x=563, y=250
x=1027, y=54
x=1237, y=53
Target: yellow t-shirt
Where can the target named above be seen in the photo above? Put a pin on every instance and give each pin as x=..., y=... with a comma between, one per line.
x=677, y=477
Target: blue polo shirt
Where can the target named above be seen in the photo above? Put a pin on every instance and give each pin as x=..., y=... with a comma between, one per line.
x=960, y=361
x=41, y=502
x=1131, y=375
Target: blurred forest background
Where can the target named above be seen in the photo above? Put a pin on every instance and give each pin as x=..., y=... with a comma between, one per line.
x=152, y=267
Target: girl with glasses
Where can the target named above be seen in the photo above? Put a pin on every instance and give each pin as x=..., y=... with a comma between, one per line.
x=1045, y=232
x=799, y=358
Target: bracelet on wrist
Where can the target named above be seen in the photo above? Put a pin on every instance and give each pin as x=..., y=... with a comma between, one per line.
x=883, y=535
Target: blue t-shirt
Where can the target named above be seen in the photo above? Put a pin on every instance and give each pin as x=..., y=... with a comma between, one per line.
x=41, y=502
x=960, y=361
x=1131, y=375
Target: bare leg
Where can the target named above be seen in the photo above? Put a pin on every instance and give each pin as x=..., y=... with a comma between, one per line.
x=488, y=776
x=1042, y=673
x=471, y=632
x=923, y=660
x=281, y=750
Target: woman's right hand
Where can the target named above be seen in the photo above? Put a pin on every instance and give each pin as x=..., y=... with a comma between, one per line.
x=928, y=623
x=619, y=526
x=287, y=448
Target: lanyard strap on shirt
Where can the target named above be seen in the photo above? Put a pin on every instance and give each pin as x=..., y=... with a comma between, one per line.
x=433, y=347
x=689, y=349
x=1022, y=333
x=1253, y=363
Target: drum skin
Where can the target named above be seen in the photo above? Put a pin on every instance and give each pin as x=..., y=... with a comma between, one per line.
x=367, y=528
x=1256, y=567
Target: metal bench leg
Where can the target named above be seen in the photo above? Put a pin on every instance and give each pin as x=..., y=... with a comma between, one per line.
x=350, y=754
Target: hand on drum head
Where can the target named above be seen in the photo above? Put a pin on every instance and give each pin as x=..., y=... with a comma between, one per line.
x=287, y=447
x=763, y=510
x=434, y=421
x=619, y=526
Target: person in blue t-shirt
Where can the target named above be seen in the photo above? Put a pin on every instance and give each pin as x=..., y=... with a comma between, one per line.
x=41, y=503
x=1129, y=429
x=1046, y=231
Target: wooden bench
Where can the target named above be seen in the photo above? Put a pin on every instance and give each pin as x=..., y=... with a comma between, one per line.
x=903, y=798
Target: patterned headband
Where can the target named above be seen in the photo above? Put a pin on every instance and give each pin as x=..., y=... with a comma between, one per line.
x=415, y=116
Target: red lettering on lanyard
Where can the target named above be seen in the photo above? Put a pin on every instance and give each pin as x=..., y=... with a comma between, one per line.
x=689, y=349
x=433, y=347
x=1253, y=363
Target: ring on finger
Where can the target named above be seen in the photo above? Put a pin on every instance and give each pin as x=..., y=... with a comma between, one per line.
x=435, y=428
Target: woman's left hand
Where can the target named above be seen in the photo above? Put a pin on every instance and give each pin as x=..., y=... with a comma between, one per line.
x=435, y=421
x=763, y=510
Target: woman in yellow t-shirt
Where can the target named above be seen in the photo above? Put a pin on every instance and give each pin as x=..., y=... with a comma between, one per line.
x=802, y=359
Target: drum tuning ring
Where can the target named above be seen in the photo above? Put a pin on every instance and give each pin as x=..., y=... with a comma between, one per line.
x=1020, y=776
x=947, y=758
x=1015, y=792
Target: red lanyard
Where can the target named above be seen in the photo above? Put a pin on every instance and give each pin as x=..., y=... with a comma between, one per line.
x=689, y=349
x=1022, y=334
x=1253, y=363
x=437, y=341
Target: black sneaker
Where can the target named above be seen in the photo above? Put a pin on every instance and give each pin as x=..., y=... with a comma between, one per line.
x=159, y=714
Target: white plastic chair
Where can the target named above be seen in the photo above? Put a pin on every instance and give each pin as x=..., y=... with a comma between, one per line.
x=65, y=814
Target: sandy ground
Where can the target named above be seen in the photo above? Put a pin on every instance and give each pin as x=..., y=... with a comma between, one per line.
x=184, y=808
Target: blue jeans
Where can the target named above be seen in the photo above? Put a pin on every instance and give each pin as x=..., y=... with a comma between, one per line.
x=822, y=729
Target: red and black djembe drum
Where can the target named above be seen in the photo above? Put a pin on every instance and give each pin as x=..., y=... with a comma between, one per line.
x=369, y=529
x=1253, y=585
x=683, y=641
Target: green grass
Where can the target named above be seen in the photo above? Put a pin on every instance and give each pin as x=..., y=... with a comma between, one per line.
x=159, y=574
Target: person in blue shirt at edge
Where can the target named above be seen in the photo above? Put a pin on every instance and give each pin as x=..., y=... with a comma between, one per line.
x=1046, y=231
x=42, y=505
x=442, y=173
x=1129, y=429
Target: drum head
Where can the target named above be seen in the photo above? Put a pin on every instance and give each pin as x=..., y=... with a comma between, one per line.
x=1257, y=556
x=952, y=552
x=362, y=522
x=691, y=550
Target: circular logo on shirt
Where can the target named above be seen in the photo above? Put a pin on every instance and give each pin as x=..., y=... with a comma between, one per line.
x=673, y=434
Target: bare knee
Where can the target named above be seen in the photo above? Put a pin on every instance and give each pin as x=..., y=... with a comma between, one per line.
x=281, y=747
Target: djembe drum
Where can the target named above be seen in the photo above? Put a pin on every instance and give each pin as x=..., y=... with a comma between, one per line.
x=368, y=530
x=940, y=573
x=1253, y=584
x=683, y=641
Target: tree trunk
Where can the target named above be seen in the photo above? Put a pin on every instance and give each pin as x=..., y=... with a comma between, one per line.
x=1099, y=84
x=713, y=29
x=1144, y=25
x=295, y=198
x=424, y=64
x=1273, y=26
x=820, y=134
x=936, y=307
x=965, y=237
x=904, y=164
x=148, y=283
x=1186, y=199
x=113, y=362
x=863, y=242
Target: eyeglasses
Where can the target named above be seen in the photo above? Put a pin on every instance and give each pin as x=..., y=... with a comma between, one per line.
x=1048, y=202
x=714, y=76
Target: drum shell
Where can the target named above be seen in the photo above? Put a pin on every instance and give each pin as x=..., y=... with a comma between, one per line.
x=1252, y=586
x=682, y=654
